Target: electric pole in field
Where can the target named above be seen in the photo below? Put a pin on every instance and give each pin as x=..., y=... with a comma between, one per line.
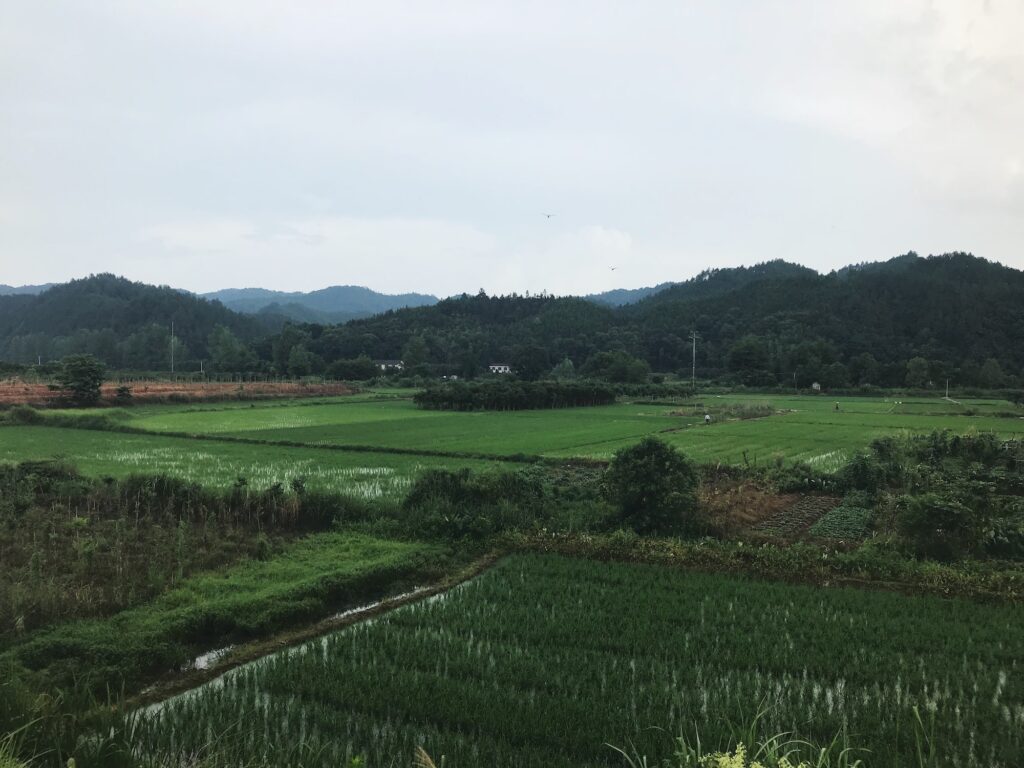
x=172, y=346
x=693, y=370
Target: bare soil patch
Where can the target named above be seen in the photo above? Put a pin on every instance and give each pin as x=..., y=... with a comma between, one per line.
x=736, y=505
x=20, y=392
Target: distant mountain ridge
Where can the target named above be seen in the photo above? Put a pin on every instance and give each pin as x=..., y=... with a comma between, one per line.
x=334, y=304
x=24, y=290
x=618, y=297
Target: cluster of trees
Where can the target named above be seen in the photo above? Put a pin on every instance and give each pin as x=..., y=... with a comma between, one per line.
x=907, y=322
x=125, y=324
x=511, y=395
x=910, y=321
x=948, y=496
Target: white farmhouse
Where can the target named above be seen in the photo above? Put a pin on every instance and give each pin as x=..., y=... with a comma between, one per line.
x=500, y=368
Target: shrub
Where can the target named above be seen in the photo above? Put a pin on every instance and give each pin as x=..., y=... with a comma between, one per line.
x=80, y=378
x=939, y=526
x=654, y=488
x=23, y=414
x=462, y=504
x=511, y=395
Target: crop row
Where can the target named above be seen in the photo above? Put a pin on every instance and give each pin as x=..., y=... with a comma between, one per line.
x=543, y=660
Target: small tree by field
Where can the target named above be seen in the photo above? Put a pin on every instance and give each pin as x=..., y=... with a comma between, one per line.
x=654, y=488
x=80, y=379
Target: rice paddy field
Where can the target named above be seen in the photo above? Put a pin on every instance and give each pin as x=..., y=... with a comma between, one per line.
x=806, y=428
x=219, y=464
x=543, y=660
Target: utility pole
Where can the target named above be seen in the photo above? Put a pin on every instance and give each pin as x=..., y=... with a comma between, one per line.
x=693, y=370
x=947, y=389
x=172, y=346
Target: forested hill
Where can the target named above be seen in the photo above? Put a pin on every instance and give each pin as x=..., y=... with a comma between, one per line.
x=126, y=324
x=960, y=315
x=17, y=290
x=335, y=304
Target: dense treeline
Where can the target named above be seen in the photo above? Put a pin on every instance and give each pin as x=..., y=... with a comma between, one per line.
x=909, y=322
x=125, y=324
x=505, y=395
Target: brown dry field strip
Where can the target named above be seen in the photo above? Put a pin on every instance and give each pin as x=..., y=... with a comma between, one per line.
x=18, y=392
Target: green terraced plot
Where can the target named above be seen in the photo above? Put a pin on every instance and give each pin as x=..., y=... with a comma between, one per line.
x=801, y=428
x=399, y=424
x=543, y=660
x=301, y=583
x=218, y=464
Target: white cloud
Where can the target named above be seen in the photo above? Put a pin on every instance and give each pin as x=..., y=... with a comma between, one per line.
x=413, y=146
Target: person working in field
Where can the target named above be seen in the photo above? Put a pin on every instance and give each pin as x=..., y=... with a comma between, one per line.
x=707, y=418
x=837, y=407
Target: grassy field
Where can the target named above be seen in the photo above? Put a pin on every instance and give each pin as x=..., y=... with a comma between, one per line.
x=572, y=431
x=799, y=428
x=220, y=464
x=544, y=660
x=301, y=583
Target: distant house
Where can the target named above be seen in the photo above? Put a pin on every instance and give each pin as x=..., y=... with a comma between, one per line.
x=816, y=387
x=500, y=368
x=390, y=365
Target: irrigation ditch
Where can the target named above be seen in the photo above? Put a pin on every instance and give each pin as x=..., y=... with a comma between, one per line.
x=215, y=663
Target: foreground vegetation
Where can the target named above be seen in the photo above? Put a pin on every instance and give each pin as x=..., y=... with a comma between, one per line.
x=749, y=431
x=111, y=581
x=543, y=660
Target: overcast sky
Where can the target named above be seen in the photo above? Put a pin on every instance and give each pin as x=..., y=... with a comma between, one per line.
x=415, y=146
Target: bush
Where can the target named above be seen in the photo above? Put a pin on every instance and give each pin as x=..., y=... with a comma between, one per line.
x=511, y=395
x=939, y=526
x=863, y=472
x=80, y=378
x=23, y=414
x=461, y=504
x=654, y=488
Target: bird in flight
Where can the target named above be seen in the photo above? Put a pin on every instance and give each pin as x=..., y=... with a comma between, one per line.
x=547, y=215
x=612, y=268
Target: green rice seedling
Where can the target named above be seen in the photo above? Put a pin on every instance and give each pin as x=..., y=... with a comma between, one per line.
x=542, y=661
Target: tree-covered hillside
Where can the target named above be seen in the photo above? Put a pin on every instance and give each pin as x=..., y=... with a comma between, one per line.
x=908, y=321
x=125, y=324
x=335, y=304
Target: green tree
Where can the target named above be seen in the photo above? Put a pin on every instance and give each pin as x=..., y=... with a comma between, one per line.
x=415, y=353
x=290, y=337
x=654, y=488
x=835, y=376
x=300, y=361
x=917, y=372
x=938, y=525
x=529, y=361
x=227, y=353
x=618, y=367
x=864, y=369
x=357, y=369
x=80, y=378
x=991, y=374
x=564, y=370
x=748, y=358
